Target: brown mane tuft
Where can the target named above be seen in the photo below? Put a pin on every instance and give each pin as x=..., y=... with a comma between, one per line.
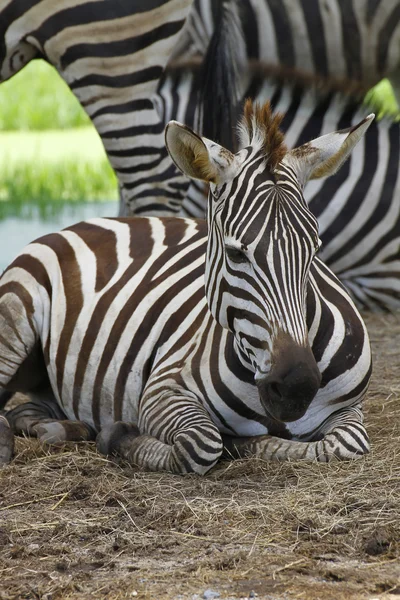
x=260, y=121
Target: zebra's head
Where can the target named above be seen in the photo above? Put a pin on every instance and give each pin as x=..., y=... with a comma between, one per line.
x=262, y=241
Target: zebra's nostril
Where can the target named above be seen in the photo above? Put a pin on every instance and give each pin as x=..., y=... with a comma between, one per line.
x=275, y=389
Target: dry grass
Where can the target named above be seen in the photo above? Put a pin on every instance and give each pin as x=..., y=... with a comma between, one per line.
x=74, y=525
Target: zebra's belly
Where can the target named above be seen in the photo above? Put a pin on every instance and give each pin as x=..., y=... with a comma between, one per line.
x=95, y=403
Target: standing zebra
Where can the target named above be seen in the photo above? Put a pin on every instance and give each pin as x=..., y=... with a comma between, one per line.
x=112, y=54
x=271, y=358
x=353, y=43
x=358, y=40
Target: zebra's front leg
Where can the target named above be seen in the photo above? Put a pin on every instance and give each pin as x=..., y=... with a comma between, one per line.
x=6, y=442
x=175, y=433
x=345, y=438
x=44, y=419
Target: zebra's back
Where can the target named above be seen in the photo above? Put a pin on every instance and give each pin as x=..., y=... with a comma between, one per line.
x=353, y=39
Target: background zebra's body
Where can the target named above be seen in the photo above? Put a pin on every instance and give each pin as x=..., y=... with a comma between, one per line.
x=99, y=48
x=358, y=40
x=115, y=312
x=112, y=55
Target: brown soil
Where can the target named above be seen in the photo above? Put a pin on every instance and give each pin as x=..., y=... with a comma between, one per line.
x=75, y=525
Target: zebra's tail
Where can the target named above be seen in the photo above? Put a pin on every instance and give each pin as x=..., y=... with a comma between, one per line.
x=221, y=75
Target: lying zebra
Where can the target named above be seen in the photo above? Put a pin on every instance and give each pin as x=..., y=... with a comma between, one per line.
x=110, y=319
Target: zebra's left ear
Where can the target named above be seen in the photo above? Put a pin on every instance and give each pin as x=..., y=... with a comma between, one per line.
x=323, y=156
x=197, y=157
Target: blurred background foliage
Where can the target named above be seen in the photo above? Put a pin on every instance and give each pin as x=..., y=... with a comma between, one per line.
x=37, y=99
x=50, y=154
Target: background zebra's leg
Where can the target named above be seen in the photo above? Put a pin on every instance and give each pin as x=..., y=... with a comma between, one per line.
x=180, y=437
x=347, y=440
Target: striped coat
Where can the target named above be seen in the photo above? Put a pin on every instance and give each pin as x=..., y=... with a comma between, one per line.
x=358, y=211
x=114, y=288
x=358, y=40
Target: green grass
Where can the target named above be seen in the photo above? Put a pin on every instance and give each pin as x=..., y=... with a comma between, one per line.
x=50, y=154
x=382, y=99
x=28, y=189
x=42, y=172
x=51, y=146
x=36, y=99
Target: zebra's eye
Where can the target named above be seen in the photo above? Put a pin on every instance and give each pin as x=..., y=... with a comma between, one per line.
x=236, y=255
x=215, y=191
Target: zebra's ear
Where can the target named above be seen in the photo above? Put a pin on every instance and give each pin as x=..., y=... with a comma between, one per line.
x=323, y=156
x=196, y=157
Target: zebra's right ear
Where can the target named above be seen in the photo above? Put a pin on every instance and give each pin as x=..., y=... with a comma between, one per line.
x=189, y=152
x=323, y=156
x=196, y=157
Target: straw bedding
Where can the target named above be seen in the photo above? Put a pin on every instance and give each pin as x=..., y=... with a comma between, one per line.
x=75, y=525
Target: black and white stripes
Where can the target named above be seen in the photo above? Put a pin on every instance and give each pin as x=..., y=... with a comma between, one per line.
x=354, y=39
x=358, y=211
x=111, y=54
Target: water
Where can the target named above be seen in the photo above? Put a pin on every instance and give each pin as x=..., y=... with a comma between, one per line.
x=15, y=233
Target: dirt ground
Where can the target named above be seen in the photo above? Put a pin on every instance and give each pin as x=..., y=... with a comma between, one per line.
x=75, y=525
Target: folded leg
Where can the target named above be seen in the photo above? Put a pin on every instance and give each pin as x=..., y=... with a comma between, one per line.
x=175, y=434
x=43, y=418
x=344, y=438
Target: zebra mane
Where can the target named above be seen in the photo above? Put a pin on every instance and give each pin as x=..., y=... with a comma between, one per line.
x=263, y=70
x=295, y=76
x=354, y=92
x=260, y=127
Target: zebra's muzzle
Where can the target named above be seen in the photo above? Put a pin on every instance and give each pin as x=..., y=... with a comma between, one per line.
x=289, y=388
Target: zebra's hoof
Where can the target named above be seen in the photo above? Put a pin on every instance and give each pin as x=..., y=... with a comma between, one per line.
x=110, y=437
x=49, y=433
x=6, y=442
